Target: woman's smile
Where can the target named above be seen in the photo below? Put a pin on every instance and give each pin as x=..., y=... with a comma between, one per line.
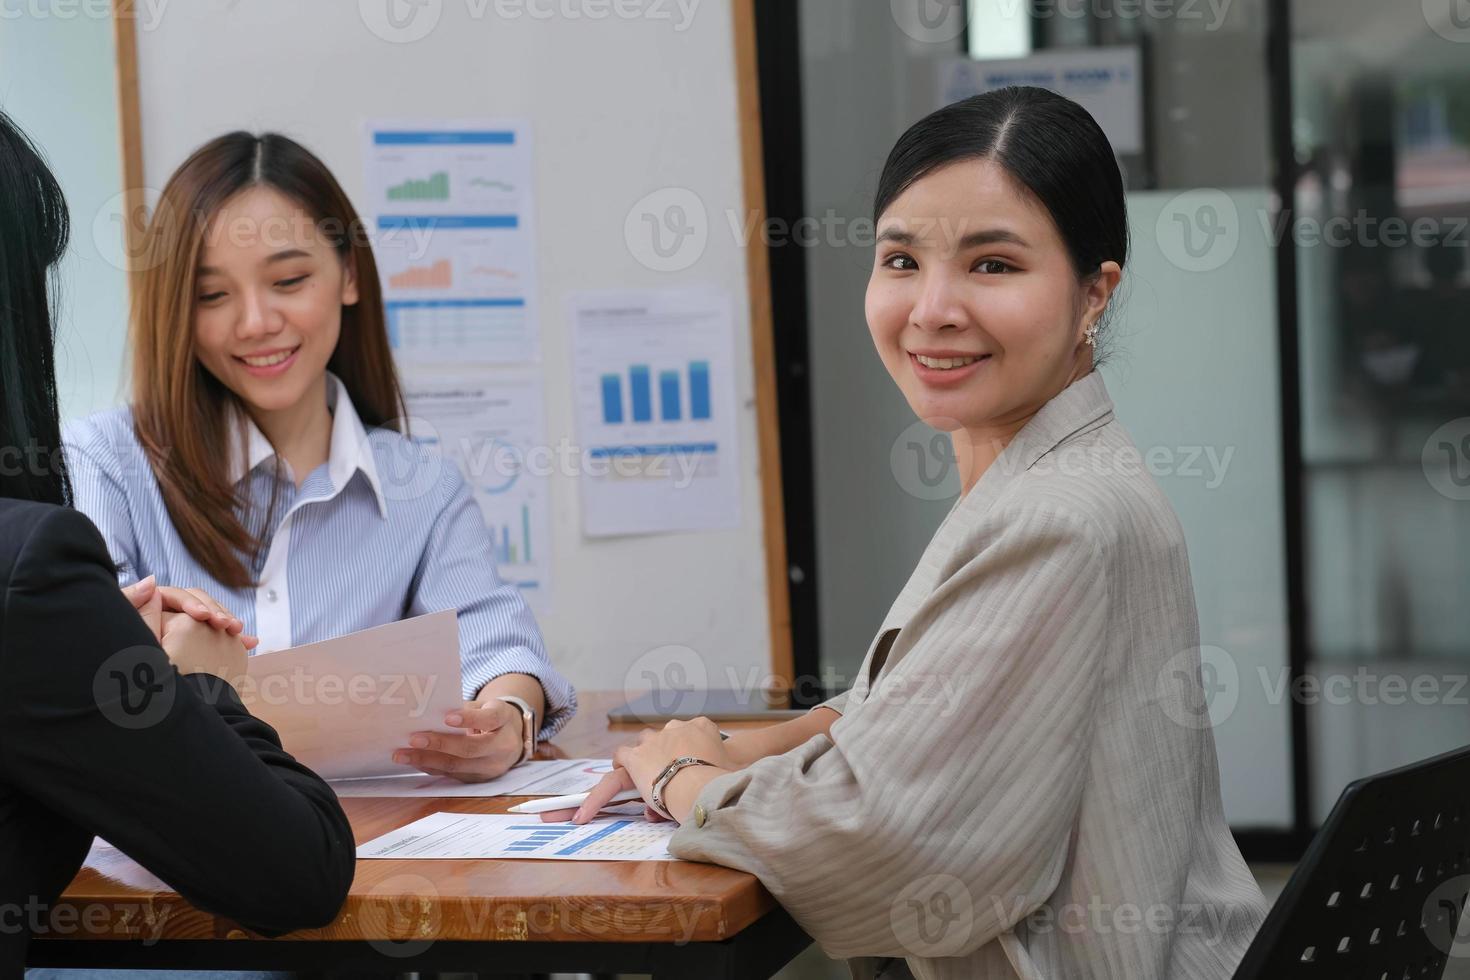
x=270, y=364
x=946, y=368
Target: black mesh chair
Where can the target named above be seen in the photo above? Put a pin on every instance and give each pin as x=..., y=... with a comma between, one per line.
x=1380, y=891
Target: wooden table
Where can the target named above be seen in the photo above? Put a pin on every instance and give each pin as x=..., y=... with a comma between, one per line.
x=670, y=919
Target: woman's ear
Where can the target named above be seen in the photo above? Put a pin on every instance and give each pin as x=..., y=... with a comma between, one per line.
x=349, y=281
x=1099, y=290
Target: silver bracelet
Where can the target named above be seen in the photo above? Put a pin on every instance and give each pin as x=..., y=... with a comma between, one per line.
x=671, y=770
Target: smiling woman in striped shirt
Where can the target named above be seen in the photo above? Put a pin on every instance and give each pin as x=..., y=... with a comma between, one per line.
x=261, y=459
x=1058, y=816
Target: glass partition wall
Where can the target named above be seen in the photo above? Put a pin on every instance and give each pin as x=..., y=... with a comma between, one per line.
x=1381, y=144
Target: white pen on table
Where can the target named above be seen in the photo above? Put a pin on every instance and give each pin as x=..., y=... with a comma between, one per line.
x=551, y=803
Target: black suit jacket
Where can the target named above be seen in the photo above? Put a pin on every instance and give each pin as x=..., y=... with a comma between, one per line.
x=99, y=735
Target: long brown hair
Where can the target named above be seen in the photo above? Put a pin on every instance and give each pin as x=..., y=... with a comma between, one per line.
x=182, y=414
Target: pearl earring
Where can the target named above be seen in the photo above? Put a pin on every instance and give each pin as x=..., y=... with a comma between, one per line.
x=1092, y=334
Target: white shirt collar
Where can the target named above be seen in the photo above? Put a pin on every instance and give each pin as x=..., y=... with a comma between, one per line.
x=349, y=451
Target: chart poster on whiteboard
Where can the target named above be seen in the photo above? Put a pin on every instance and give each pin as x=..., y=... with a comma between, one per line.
x=1107, y=82
x=454, y=236
x=494, y=430
x=655, y=409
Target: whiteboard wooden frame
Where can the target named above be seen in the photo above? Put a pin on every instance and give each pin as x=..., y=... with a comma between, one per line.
x=130, y=128
x=758, y=278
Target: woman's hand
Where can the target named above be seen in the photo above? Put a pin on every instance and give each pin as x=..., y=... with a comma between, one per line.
x=153, y=600
x=144, y=596
x=196, y=647
x=640, y=762
x=201, y=606
x=492, y=742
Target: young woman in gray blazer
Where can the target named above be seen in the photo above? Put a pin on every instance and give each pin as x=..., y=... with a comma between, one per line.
x=1058, y=813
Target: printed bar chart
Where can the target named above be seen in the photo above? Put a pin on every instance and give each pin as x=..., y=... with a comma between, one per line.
x=670, y=466
x=670, y=398
x=436, y=276
x=538, y=838
x=435, y=188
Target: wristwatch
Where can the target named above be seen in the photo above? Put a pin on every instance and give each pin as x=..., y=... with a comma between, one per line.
x=662, y=780
x=528, y=727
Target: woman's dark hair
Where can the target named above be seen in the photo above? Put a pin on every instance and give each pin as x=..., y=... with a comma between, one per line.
x=1049, y=145
x=34, y=227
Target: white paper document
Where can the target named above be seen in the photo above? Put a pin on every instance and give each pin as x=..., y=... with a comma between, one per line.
x=551, y=777
x=455, y=238
x=343, y=706
x=492, y=426
x=656, y=411
x=505, y=835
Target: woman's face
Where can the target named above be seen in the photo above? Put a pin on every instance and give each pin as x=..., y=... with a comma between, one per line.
x=268, y=300
x=974, y=304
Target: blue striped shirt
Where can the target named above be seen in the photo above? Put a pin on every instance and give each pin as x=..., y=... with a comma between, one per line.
x=384, y=530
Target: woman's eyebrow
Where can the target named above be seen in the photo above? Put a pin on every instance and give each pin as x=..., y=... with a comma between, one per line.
x=282, y=256
x=988, y=236
x=898, y=236
x=992, y=236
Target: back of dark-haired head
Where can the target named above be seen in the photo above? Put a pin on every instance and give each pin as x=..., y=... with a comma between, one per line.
x=34, y=227
x=1048, y=144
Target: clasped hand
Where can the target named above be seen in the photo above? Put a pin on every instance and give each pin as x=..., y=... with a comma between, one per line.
x=198, y=634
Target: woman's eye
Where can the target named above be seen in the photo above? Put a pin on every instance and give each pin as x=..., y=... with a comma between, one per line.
x=294, y=281
x=992, y=267
x=211, y=297
x=901, y=262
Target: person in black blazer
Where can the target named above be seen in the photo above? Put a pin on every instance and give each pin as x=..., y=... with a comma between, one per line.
x=115, y=720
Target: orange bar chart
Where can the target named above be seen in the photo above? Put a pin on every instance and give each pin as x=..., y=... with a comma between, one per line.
x=436, y=276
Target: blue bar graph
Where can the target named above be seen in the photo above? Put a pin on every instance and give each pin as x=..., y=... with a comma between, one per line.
x=642, y=393
x=670, y=399
x=538, y=838
x=612, y=399
x=668, y=396
x=699, y=389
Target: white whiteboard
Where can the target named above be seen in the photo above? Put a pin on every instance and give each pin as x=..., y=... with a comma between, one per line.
x=621, y=107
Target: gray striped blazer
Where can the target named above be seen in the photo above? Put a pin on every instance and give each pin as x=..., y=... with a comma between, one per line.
x=1023, y=782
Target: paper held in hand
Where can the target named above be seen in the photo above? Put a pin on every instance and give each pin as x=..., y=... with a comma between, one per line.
x=342, y=706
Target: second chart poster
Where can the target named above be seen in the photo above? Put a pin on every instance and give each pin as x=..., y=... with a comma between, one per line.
x=655, y=393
